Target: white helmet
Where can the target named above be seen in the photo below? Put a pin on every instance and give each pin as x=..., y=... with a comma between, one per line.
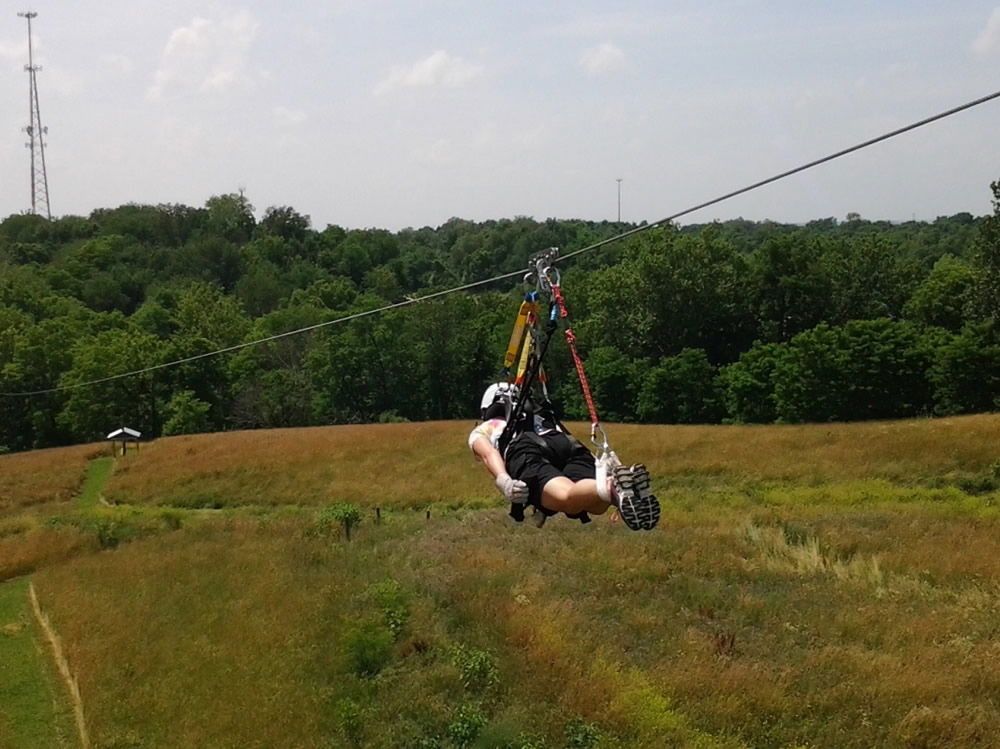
x=498, y=392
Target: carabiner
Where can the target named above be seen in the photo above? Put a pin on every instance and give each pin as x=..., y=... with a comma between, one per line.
x=548, y=276
x=602, y=444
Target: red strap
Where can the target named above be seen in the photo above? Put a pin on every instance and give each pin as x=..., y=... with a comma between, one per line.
x=571, y=340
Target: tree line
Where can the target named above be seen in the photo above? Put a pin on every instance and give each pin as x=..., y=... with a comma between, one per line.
x=737, y=321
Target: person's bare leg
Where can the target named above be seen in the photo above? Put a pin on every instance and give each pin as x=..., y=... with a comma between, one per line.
x=565, y=495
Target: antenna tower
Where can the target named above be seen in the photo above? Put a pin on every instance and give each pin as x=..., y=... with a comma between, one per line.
x=36, y=133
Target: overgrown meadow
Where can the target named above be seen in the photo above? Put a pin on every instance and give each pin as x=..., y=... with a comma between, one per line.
x=808, y=586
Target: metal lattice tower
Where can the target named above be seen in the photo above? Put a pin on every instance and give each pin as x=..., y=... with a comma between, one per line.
x=36, y=133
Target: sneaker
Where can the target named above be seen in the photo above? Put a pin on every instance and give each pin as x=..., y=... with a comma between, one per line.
x=649, y=506
x=538, y=518
x=633, y=497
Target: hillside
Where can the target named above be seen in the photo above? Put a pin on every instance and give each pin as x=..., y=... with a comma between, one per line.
x=240, y=323
x=809, y=585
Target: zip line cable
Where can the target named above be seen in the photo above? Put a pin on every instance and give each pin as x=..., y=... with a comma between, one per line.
x=286, y=334
x=789, y=173
x=474, y=284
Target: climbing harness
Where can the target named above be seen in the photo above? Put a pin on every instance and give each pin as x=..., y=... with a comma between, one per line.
x=531, y=340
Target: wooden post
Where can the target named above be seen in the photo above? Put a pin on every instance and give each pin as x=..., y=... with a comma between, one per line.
x=428, y=514
x=378, y=514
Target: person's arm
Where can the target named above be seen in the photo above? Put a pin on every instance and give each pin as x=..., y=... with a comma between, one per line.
x=511, y=488
x=489, y=456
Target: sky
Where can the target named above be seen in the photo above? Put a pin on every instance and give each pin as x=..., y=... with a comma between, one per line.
x=373, y=113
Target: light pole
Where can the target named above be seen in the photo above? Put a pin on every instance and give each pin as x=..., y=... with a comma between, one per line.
x=619, y=181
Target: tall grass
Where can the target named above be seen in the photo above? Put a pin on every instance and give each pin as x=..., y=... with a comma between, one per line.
x=824, y=585
x=30, y=479
x=412, y=465
x=727, y=626
x=32, y=712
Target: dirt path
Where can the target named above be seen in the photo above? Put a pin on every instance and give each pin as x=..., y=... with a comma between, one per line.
x=62, y=664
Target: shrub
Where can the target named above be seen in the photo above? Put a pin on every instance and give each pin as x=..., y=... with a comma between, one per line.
x=351, y=718
x=466, y=725
x=581, y=735
x=389, y=597
x=110, y=532
x=369, y=648
x=478, y=667
x=340, y=514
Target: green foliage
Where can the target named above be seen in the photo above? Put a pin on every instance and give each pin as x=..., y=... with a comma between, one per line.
x=944, y=297
x=867, y=369
x=230, y=217
x=748, y=384
x=368, y=648
x=351, y=718
x=478, y=668
x=393, y=602
x=91, y=412
x=582, y=735
x=345, y=515
x=792, y=289
x=134, y=286
x=681, y=390
x=986, y=258
x=966, y=371
x=467, y=724
x=185, y=414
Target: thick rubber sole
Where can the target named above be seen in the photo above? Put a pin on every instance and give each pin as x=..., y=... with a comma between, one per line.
x=636, y=503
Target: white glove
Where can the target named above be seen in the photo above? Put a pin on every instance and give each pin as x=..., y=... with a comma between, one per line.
x=515, y=491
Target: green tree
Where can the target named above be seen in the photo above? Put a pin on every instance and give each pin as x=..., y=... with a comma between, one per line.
x=614, y=384
x=673, y=292
x=791, y=289
x=868, y=369
x=944, y=296
x=230, y=217
x=681, y=390
x=204, y=311
x=986, y=257
x=748, y=384
x=808, y=377
x=284, y=222
x=185, y=414
x=966, y=372
x=870, y=278
x=91, y=411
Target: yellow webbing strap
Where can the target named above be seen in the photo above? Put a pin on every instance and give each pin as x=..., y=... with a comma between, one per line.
x=517, y=335
x=522, y=365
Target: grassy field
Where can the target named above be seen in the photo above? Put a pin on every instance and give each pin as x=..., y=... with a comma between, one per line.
x=43, y=477
x=415, y=465
x=808, y=586
x=33, y=713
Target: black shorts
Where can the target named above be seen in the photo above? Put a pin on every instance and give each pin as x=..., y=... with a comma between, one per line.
x=537, y=460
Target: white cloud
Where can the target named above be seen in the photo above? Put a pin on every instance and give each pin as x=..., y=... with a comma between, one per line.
x=988, y=41
x=206, y=55
x=604, y=58
x=286, y=117
x=440, y=69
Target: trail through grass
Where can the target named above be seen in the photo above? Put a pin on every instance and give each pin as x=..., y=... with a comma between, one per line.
x=33, y=710
x=809, y=586
x=98, y=472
